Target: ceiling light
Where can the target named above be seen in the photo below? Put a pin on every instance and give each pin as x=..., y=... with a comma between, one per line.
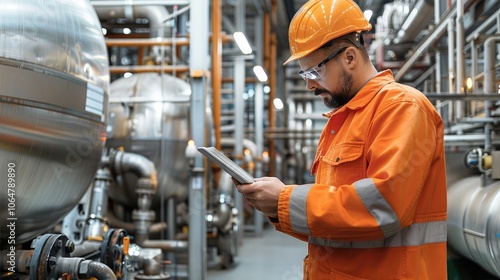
x=278, y=104
x=260, y=73
x=242, y=42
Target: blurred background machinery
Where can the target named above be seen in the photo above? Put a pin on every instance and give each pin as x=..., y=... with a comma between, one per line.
x=102, y=104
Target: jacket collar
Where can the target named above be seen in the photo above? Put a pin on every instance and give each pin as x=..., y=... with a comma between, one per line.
x=366, y=93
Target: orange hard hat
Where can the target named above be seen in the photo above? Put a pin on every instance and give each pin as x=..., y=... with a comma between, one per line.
x=320, y=21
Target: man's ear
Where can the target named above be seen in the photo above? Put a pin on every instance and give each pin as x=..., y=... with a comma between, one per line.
x=350, y=56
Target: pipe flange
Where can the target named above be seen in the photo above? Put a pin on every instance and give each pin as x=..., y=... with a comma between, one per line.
x=111, y=250
x=48, y=249
x=144, y=216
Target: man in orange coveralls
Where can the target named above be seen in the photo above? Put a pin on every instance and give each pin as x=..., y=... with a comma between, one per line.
x=377, y=209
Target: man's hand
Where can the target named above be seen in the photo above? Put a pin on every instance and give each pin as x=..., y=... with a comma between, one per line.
x=263, y=194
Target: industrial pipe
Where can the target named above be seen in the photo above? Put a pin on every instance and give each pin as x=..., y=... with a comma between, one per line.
x=97, y=270
x=147, y=185
x=489, y=83
x=97, y=222
x=166, y=245
x=474, y=223
x=420, y=16
x=123, y=162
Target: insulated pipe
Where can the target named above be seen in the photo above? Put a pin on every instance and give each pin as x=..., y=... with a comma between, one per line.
x=114, y=222
x=474, y=223
x=272, y=93
x=147, y=185
x=451, y=61
x=489, y=83
x=460, y=59
x=166, y=245
x=97, y=222
x=123, y=162
x=222, y=217
x=419, y=17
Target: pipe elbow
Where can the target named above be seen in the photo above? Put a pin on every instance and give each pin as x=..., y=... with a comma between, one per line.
x=140, y=165
x=100, y=271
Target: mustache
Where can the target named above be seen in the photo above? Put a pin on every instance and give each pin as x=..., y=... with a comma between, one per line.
x=320, y=91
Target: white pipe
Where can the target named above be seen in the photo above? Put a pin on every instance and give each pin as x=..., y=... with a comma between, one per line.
x=451, y=60
x=460, y=55
x=489, y=83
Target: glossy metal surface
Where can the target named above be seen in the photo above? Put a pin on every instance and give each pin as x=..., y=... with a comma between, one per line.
x=149, y=116
x=474, y=221
x=54, y=83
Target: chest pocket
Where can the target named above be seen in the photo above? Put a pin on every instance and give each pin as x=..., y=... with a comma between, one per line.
x=342, y=164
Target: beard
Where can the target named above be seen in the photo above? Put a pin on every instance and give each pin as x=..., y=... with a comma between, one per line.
x=337, y=99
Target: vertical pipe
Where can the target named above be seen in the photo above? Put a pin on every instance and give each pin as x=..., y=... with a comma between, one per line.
x=198, y=64
x=259, y=115
x=451, y=61
x=460, y=56
x=97, y=224
x=489, y=83
x=437, y=15
x=216, y=68
x=272, y=93
x=239, y=88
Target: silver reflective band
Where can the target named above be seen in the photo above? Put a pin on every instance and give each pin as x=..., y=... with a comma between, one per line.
x=380, y=209
x=413, y=235
x=298, y=215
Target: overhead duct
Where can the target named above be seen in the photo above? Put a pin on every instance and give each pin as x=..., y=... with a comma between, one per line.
x=155, y=15
x=419, y=17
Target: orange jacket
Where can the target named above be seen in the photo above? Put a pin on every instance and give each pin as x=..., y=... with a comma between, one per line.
x=378, y=207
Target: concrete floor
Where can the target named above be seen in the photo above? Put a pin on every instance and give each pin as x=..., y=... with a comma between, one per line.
x=273, y=255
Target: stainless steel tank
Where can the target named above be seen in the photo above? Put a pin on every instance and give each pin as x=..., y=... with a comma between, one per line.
x=474, y=221
x=54, y=83
x=149, y=115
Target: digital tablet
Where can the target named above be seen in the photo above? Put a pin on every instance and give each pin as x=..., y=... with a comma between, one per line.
x=226, y=164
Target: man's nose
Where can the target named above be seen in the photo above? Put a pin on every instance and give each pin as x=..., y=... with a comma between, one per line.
x=311, y=84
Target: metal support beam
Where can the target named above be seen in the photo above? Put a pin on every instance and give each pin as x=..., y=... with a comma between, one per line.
x=430, y=40
x=259, y=116
x=198, y=62
x=239, y=88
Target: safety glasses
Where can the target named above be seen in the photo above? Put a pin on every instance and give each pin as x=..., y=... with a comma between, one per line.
x=317, y=72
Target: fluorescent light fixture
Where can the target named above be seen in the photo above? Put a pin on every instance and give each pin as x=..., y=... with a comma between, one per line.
x=368, y=14
x=278, y=104
x=242, y=42
x=468, y=83
x=127, y=75
x=260, y=73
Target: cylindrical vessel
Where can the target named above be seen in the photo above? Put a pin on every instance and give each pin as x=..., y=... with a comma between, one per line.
x=474, y=221
x=54, y=83
x=149, y=115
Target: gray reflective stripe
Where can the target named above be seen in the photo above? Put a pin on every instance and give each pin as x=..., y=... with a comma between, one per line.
x=378, y=206
x=298, y=215
x=413, y=235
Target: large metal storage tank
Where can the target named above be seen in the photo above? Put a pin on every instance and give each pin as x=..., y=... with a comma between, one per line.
x=54, y=82
x=149, y=115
